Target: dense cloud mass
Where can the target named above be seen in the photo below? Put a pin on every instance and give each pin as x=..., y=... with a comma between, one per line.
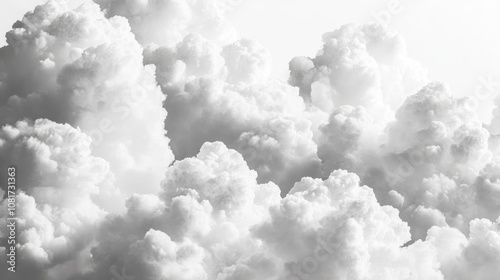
x=224, y=94
x=358, y=66
x=78, y=67
x=152, y=143
x=57, y=218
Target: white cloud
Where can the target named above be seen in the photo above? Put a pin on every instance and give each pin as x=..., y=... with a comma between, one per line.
x=224, y=94
x=358, y=168
x=467, y=258
x=77, y=67
x=57, y=218
x=213, y=218
x=360, y=66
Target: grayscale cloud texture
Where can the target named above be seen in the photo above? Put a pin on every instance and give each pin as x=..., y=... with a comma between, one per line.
x=152, y=142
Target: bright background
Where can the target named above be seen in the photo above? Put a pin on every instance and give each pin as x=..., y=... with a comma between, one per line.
x=458, y=41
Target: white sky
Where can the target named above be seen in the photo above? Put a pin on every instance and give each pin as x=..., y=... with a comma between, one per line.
x=456, y=40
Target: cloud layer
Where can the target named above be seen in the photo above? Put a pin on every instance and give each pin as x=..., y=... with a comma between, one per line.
x=151, y=143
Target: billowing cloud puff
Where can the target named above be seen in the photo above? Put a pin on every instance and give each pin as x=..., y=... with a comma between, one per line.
x=488, y=191
x=436, y=162
x=202, y=220
x=475, y=257
x=80, y=68
x=57, y=177
x=494, y=125
x=432, y=155
x=211, y=98
x=430, y=116
x=213, y=221
x=358, y=66
x=335, y=228
x=247, y=62
x=345, y=140
x=52, y=155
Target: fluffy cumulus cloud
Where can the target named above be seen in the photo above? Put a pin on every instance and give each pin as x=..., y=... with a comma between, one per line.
x=152, y=143
x=224, y=94
x=435, y=158
x=346, y=139
x=362, y=65
x=475, y=257
x=336, y=229
x=78, y=67
x=198, y=227
x=214, y=221
x=57, y=218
